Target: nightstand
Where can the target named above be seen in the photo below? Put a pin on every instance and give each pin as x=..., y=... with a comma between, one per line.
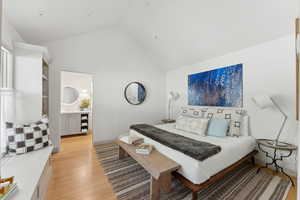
x=283, y=147
x=167, y=121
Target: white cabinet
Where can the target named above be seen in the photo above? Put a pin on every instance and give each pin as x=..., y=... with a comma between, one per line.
x=70, y=123
x=30, y=82
x=42, y=187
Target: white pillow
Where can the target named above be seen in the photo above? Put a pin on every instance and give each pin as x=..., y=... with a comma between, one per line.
x=245, y=126
x=191, y=112
x=193, y=125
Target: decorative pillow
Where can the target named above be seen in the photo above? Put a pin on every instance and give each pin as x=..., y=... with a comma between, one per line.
x=233, y=116
x=245, y=126
x=27, y=137
x=193, y=125
x=191, y=112
x=218, y=127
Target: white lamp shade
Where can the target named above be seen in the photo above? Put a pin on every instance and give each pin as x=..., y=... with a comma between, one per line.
x=174, y=95
x=263, y=101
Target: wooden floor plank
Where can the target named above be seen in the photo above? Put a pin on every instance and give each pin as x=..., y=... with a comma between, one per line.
x=77, y=174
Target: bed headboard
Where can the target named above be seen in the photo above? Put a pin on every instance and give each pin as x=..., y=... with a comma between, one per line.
x=238, y=116
x=200, y=111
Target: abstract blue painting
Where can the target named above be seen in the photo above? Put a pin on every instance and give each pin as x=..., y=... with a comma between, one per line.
x=220, y=87
x=141, y=94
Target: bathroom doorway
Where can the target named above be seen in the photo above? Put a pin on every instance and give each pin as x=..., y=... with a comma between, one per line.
x=76, y=107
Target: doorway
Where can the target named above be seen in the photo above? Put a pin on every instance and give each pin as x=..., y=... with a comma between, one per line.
x=76, y=105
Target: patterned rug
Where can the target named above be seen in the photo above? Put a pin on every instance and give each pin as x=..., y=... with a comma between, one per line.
x=131, y=182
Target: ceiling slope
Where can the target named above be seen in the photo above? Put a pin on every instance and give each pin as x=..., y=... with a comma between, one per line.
x=40, y=21
x=175, y=32
x=184, y=32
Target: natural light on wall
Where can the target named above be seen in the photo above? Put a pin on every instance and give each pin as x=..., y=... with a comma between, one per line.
x=6, y=94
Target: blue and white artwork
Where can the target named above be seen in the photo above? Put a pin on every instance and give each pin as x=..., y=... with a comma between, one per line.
x=220, y=87
x=141, y=94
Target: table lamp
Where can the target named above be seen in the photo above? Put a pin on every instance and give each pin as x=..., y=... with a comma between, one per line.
x=265, y=101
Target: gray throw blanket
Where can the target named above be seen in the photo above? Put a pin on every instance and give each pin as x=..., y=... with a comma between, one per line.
x=193, y=148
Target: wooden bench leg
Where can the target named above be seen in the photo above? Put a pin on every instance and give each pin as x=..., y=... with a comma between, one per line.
x=154, y=189
x=122, y=153
x=195, y=196
x=165, y=182
x=253, y=160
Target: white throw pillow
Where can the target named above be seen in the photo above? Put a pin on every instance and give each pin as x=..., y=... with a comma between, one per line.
x=245, y=126
x=193, y=125
x=191, y=112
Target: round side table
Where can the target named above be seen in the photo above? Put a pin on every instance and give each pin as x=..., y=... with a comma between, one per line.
x=285, y=147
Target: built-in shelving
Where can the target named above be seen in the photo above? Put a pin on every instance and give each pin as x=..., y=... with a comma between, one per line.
x=45, y=100
x=84, y=123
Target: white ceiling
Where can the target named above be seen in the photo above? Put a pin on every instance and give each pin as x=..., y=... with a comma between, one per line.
x=189, y=31
x=41, y=21
x=177, y=32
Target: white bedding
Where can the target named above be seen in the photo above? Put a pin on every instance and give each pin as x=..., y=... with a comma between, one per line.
x=233, y=149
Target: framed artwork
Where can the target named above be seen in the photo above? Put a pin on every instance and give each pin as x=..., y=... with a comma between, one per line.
x=220, y=87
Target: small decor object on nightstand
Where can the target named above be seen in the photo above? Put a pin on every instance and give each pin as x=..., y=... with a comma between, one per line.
x=289, y=148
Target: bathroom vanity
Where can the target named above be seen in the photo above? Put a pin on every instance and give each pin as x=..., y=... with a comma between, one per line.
x=73, y=123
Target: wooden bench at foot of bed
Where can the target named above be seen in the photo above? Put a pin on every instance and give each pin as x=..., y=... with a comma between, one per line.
x=159, y=166
x=197, y=187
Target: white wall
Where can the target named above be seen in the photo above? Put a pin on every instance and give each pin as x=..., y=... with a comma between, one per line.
x=268, y=68
x=114, y=60
x=9, y=34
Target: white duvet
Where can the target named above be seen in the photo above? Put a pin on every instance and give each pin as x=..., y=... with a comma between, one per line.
x=233, y=149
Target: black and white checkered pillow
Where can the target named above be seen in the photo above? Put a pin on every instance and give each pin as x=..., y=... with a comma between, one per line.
x=27, y=137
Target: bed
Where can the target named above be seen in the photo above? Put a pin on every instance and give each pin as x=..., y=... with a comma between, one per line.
x=197, y=172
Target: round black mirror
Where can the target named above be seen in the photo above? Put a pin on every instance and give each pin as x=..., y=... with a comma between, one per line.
x=135, y=93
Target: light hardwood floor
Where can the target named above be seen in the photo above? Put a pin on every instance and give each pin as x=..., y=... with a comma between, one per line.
x=77, y=174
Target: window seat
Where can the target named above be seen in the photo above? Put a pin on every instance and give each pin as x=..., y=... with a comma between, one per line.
x=32, y=172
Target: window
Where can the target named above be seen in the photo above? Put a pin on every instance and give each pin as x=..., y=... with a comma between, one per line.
x=6, y=69
x=6, y=94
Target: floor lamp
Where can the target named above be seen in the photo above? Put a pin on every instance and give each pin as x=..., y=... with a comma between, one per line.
x=173, y=96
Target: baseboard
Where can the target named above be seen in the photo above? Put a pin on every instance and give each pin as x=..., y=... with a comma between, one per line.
x=287, y=170
x=95, y=143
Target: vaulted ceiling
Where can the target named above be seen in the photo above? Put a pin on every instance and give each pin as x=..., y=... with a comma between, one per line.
x=176, y=32
x=41, y=21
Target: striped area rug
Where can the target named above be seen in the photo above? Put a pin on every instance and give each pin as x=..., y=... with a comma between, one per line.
x=131, y=182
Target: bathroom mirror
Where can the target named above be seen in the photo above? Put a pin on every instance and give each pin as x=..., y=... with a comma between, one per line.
x=70, y=95
x=135, y=93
